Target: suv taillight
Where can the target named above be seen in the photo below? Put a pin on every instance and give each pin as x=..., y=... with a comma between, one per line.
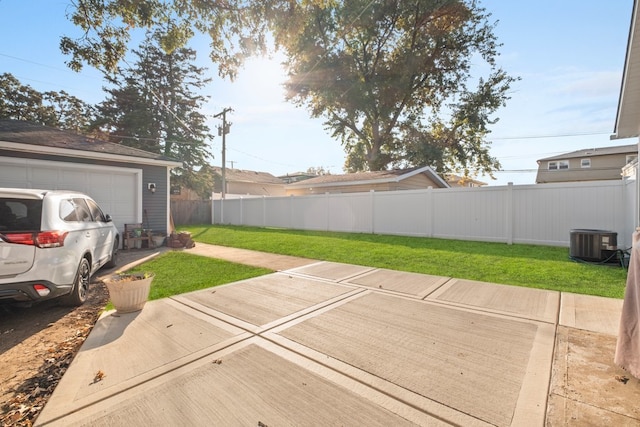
x=42, y=239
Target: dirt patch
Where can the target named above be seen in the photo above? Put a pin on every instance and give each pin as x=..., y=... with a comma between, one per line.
x=37, y=344
x=587, y=388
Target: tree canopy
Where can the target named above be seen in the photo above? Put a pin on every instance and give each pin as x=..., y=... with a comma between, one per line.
x=236, y=29
x=56, y=109
x=399, y=83
x=154, y=105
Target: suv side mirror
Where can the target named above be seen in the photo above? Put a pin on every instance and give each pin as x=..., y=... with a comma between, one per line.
x=108, y=218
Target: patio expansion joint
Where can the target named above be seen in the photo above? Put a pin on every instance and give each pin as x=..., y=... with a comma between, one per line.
x=269, y=334
x=146, y=378
x=275, y=340
x=257, y=331
x=247, y=335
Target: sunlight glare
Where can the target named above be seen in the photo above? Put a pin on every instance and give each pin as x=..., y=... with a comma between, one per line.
x=262, y=77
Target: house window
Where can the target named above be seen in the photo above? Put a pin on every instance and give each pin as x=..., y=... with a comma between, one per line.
x=585, y=163
x=558, y=165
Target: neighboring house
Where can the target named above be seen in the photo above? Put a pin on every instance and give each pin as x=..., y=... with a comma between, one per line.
x=246, y=183
x=594, y=164
x=461, y=181
x=129, y=184
x=393, y=180
x=290, y=178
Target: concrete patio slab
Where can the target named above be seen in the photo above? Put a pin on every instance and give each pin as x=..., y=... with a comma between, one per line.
x=243, y=256
x=260, y=301
x=244, y=385
x=126, y=349
x=351, y=353
x=419, y=285
x=596, y=314
x=535, y=304
x=438, y=353
x=331, y=270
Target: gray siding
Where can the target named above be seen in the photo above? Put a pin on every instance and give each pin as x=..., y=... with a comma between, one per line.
x=154, y=205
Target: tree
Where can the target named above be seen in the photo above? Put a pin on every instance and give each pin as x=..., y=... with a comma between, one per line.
x=56, y=109
x=153, y=106
x=393, y=79
x=236, y=28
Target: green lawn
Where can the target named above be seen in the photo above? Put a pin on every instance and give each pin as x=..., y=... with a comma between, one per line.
x=541, y=267
x=179, y=272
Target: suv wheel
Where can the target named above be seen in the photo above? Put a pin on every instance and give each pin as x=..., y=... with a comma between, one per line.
x=80, y=290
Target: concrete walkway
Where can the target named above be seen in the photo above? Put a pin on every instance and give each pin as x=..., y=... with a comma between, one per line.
x=321, y=343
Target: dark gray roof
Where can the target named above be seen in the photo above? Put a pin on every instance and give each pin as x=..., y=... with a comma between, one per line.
x=30, y=133
x=591, y=152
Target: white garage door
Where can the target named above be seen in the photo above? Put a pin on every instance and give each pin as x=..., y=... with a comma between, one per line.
x=115, y=189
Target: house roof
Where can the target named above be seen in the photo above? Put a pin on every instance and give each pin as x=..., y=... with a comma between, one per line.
x=375, y=177
x=591, y=152
x=627, y=123
x=239, y=175
x=17, y=135
x=461, y=180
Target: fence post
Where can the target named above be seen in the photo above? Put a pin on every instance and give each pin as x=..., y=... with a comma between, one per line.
x=264, y=211
x=213, y=210
x=430, y=212
x=222, y=211
x=373, y=211
x=326, y=201
x=241, y=211
x=291, y=211
x=508, y=223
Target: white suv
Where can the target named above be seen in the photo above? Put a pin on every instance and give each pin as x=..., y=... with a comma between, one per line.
x=51, y=242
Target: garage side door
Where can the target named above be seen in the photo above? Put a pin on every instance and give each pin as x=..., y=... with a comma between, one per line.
x=115, y=189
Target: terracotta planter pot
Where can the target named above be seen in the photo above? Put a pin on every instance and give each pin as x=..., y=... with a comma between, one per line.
x=129, y=292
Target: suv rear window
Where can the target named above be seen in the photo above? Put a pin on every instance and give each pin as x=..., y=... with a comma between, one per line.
x=20, y=214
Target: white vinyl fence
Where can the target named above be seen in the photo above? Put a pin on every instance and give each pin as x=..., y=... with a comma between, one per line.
x=541, y=214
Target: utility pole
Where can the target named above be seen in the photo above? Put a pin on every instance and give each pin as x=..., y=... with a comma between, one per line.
x=222, y=131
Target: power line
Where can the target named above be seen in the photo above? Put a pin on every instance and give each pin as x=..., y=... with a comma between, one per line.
x=563, y=135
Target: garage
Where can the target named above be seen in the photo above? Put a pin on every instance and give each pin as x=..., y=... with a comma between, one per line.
x=113, y=188
x=119, y=178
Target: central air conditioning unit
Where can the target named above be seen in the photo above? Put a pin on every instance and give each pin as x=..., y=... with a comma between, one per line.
x=593, y=245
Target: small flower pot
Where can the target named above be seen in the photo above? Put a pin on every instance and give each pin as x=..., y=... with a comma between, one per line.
x=129, y=292
x=158, y=240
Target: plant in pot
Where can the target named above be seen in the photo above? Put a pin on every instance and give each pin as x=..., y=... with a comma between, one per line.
x=138, y=242
x=129, y=292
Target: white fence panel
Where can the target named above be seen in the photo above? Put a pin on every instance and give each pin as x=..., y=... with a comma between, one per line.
x=545, y=214
x=350, y=212
x=406, y=213
x=253, y=212
x=277, y=212
x=309, y=213
x=470, y=213
x=536, y=214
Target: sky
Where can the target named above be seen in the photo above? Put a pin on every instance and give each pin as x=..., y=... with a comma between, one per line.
x=569, y=55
